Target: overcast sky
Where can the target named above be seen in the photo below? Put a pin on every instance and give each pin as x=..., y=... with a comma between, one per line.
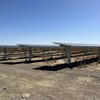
x=47, y=21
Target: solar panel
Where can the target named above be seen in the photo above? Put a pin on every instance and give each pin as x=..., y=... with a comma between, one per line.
x=38, y=46
x=77, y=44
x=9, y=46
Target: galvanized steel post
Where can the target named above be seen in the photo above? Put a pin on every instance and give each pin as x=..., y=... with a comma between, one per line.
x=30, y=53
x=99, y=53
x=69, y=57
x=66, y=55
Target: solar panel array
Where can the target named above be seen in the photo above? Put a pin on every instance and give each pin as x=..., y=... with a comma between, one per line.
x=77, y=44
x=57, y=45
x=38, y=46
x=9, y=46
x=74, y=52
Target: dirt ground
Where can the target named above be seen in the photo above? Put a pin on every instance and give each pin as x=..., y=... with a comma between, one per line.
x=38, y=81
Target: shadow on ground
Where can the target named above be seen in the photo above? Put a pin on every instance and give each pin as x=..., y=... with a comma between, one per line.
x=32, y=61
x=62, y=66
x=56, y=67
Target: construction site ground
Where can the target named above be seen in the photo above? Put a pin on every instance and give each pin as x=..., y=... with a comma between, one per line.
x=48, y=81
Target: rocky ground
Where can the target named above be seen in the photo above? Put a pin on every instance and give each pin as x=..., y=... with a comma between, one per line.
x=38, y=81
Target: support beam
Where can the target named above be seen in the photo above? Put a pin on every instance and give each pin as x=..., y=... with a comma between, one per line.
x=69, y=57
x=5, y=52
x=99, y=53
x=66, y=55
x=30, y=53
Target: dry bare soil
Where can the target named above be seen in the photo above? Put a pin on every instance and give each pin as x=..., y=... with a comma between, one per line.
x=37, y=81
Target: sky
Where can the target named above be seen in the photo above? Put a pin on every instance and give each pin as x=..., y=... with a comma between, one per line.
x=47, y=21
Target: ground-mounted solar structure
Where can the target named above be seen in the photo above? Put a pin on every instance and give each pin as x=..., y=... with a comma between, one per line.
x=28, y=51
x=83, y=49
x=41, y=47
x=3, y=48
x=69, y=52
